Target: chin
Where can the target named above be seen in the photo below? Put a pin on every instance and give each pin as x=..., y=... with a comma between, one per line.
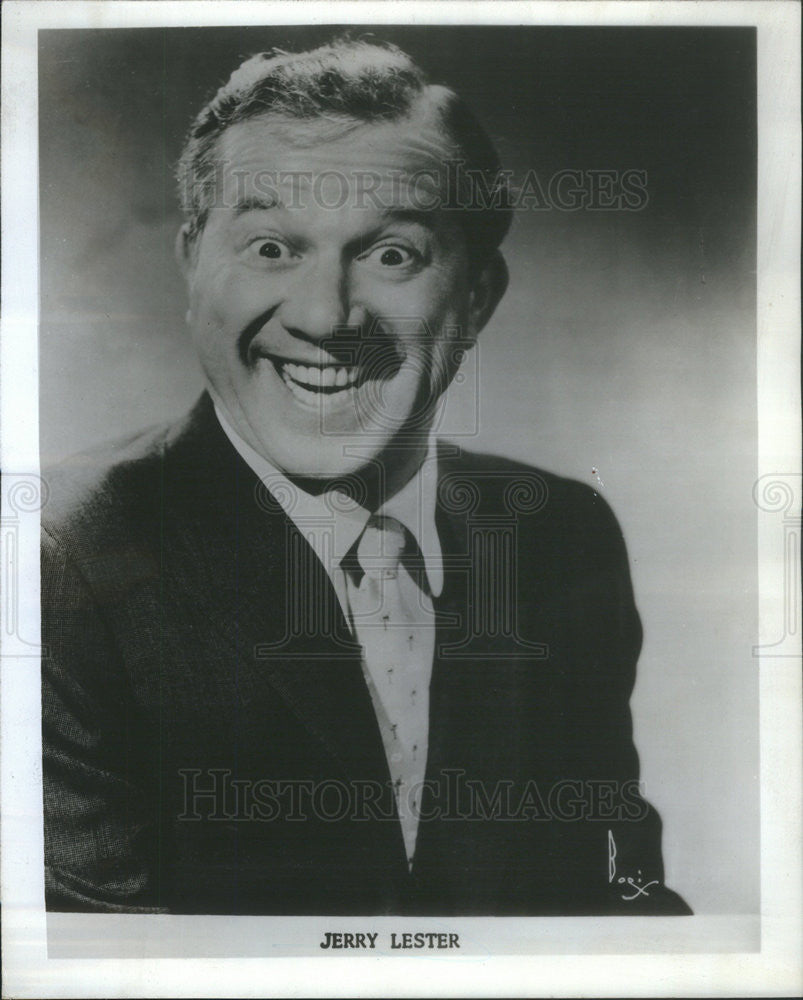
x=321, y=440
x=326, y=458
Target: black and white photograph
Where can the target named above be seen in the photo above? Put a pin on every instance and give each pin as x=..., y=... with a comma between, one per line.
x=411, y=547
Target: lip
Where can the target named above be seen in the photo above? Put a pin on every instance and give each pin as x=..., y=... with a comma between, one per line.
x=281, y=359
x=374, y=362
x=311, y=389
x=323, y=376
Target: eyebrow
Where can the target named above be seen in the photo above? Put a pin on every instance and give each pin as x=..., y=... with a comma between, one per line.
x=256, y=203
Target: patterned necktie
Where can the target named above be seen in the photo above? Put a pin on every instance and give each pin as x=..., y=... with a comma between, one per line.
x=394, y=621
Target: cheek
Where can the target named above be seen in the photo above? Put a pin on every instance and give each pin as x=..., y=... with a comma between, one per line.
x=429, y=307
x=228, y=299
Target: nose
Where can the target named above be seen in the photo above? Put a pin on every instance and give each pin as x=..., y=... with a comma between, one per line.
x=317, y=301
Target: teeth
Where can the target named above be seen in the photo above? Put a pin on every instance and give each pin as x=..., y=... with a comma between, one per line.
x=305, y=395
x=327, y=377
x=301, y=373
x=313, y=397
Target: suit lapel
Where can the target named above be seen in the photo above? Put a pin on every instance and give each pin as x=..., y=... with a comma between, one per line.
x=267, y=594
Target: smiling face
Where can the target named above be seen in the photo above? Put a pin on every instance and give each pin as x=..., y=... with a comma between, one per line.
x=307, y=238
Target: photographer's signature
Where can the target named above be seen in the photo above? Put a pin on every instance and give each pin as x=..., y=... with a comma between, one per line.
x=638, y=885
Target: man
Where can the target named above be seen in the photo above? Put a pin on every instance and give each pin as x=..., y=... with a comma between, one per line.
x=301, y=657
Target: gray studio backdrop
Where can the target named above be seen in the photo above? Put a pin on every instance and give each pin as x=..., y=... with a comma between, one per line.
x=623, y=354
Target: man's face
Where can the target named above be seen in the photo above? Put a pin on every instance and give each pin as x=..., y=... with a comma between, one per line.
x=306, y=238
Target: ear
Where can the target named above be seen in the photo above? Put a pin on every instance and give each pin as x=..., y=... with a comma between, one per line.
x=186, y=249
x=488, y=285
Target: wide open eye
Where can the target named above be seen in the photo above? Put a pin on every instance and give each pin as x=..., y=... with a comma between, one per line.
x=272, y=249
x=268, y=251
x=391, y=256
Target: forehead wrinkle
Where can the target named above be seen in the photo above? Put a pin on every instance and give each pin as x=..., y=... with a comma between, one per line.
x=389, y=213
x=271, y=200
x=411, y=216
x=258, y=170
x=434, y=147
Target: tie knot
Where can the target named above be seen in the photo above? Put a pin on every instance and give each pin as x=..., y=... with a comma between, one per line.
x=380, y=548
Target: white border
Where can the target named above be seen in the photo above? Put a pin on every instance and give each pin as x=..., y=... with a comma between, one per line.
x=776, y=969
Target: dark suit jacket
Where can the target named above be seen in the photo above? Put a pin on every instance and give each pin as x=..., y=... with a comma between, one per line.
x=209, y=742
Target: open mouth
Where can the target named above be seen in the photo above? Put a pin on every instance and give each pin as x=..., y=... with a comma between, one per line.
x=314, y=383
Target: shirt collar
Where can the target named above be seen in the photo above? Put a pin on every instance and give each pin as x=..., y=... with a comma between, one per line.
x=332, y=522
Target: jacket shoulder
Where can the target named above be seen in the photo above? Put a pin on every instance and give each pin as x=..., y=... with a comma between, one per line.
x=520, y=488
x=106, y=506
x=101, y=485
